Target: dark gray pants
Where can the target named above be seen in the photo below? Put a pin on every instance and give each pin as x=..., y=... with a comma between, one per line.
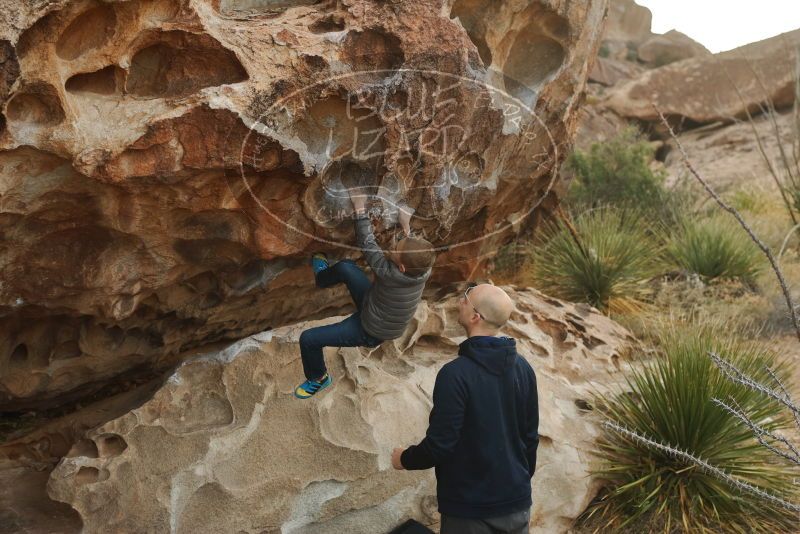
x=516, y=523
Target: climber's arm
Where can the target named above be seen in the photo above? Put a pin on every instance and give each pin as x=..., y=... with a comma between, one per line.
x=365, y=239
x=404, y=217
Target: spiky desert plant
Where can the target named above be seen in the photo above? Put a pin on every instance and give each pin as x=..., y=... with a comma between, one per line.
x=606, y=259
x=714, y=247
x=665, y=436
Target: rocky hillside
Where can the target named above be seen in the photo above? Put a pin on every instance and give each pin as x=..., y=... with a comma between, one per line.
x=706, y=97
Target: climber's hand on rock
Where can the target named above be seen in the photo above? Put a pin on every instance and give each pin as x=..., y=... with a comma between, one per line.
x=404, y=218
x=396, y=459
x=359, y=200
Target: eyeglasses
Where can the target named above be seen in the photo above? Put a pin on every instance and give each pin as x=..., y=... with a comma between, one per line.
x=470, y=287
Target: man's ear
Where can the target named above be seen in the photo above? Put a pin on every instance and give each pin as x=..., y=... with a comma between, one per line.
x=401, y=268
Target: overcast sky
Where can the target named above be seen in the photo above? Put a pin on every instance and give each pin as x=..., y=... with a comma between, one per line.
x=724, y=24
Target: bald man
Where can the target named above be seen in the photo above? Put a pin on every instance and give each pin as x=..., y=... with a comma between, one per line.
x=483, y=431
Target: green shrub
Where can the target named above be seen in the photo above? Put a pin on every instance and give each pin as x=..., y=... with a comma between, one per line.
x=671, y=403
x=617, y=172
x=715, y=247
x=607, y=264
x=749, y=200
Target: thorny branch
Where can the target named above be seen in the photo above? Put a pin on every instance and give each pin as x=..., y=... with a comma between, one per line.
x=702, y=464
x=760, y=432
x=735, y=375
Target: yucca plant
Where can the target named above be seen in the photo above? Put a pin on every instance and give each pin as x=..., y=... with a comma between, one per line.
x=605, y=260
x=714, y=247
x=670, y=403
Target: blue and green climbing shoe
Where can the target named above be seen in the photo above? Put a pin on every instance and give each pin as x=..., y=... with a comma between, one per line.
x=319, y=262
x=311, y=387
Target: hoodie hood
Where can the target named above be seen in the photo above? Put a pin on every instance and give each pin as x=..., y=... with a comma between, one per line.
x=495, y=354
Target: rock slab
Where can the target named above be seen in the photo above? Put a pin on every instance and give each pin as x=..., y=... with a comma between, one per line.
x=720, y=87
x=223, y=446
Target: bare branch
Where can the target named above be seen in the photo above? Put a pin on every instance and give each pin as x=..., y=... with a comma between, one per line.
x=772, y=114
x=786, y=395
x=764, y=248
x=571, y=228
x=796, y=112
x=786, y=240
x=760, y=432
x=760, y=144
x=721, y=474
x=737, y=376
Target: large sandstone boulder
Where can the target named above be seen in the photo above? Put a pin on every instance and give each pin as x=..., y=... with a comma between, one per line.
x=718, y=87
x=660, y=50
x=627, y=21
x=627, y=25
x=610, y=72
x=167, y=166
x=27, y=457
x=223, y=446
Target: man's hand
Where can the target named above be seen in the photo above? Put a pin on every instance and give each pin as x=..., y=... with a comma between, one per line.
x=404, y=217
x=396, y=459
x=359, y=200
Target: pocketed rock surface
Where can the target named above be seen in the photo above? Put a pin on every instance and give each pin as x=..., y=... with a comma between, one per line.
x=223, y=446
x=168, y=166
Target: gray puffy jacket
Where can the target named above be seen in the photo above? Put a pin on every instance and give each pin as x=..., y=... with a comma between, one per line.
x=392, y=300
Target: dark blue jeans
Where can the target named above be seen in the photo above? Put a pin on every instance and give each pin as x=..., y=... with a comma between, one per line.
x=347, y=333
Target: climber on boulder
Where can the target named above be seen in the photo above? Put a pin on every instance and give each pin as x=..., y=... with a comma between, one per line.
x=483, y=433
x=384, y=307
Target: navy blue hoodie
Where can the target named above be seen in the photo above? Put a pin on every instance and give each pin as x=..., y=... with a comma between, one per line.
x=483, y=431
